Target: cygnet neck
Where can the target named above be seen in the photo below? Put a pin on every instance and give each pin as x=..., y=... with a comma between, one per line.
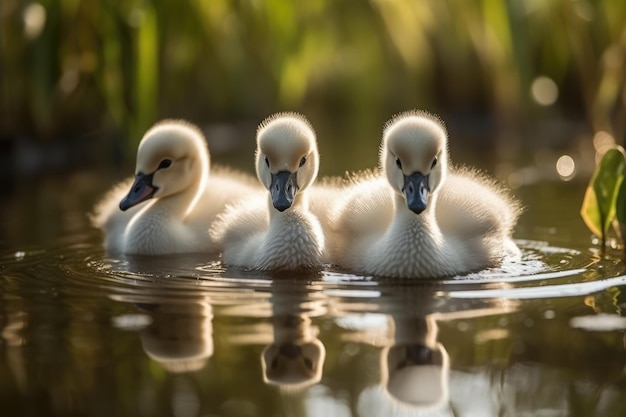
x=425, y=219
x=420, y=329
x=292, y=327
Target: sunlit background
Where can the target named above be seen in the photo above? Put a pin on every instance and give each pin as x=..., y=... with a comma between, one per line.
x=522, y=82
x=531, y=91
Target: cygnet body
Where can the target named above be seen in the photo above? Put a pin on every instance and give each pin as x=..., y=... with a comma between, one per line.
x=280, y=232
x=169, y=205
x=420, y=218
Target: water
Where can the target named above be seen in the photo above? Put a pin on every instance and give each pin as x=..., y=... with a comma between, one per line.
x=84, y=334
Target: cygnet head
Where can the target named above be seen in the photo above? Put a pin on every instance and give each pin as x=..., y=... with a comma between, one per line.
x=287, y=160
x=416, y=375
x=414, y=156
x=172, y=157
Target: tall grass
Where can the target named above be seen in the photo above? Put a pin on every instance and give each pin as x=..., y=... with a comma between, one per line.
x=115, y=65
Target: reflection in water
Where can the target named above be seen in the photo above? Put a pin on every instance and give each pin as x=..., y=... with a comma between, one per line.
x=180, y=333
x=11, y=338
x=69, y=347
x=180, y=336
x=414, y=375
x=414, y=370
x=295, y=358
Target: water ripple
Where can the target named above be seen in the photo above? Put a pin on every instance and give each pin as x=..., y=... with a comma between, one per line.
x=546, y=291
x=82, y=270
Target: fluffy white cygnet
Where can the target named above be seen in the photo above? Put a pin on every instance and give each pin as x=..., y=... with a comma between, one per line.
x=277, y=233
x=169, y=205
x=421, y=218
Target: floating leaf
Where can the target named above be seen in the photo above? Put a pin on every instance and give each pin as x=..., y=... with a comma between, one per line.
x=598, y=208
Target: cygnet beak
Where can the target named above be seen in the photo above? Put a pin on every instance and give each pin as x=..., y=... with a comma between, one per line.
x=416, y=191
x=283, y=189
x=418, y=354
x=141, y=190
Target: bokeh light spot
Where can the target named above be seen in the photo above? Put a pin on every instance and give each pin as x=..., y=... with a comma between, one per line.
x=544, y=91
x=566, y=167
x=602, y=141
x=34, y=17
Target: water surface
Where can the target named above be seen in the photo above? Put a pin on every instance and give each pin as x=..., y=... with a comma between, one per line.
x=85, y=334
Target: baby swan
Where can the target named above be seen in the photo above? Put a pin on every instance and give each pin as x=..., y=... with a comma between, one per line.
x=280, y=233
x=422, y=219
x=171, y=203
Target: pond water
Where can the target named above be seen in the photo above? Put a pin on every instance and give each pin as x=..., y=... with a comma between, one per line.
x=84, y=334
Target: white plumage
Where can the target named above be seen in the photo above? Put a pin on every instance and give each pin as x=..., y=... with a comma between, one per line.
x=279, y=233
x=169, y=205
x=420, y=218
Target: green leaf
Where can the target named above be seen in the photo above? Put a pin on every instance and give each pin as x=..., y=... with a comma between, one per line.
x=591, y=213
x=598, y=208
x=620, y=204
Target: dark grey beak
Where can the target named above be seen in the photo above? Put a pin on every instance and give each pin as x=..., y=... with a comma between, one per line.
x=283, y=189
x=416, y=191
x=419, y=355
x=141, y=190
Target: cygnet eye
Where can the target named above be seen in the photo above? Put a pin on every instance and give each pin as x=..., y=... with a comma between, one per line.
x=398, y=163
x=267, y=161
x=303, y=160
x=434, y=163
x=165, y=164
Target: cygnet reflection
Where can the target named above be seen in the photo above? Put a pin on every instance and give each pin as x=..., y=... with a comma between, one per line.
x=414, y=370
x=295, y=358
x=180, y=336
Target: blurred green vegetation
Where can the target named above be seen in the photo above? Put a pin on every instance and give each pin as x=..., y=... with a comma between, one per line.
x=95, y=69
